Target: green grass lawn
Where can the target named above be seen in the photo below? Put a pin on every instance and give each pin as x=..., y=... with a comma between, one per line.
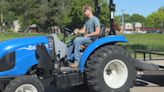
x=135, y=41
x=6, y=36
x=146, y=41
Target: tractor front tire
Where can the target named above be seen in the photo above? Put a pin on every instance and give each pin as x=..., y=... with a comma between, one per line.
x=110, y=69
x=24, y=84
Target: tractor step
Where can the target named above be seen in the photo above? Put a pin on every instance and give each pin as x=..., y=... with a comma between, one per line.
x=65, y=80
x=68, y=69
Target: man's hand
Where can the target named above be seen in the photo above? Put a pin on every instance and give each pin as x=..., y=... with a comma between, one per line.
x=87, y=35
x=96, y=33
x=76, y=31
x=79, y=31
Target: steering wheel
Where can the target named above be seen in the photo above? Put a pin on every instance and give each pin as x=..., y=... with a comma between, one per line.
x=67, y=29
x=66, y=32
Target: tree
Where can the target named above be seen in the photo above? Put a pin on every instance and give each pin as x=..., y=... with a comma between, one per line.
x=156, y=19
x=56, y=10
x=73, y=16
x=47, y=13
x=137, y=18
x=3, y=11
x=161, y=9
x=104, y=15
x=42, y=12
x=126, y=17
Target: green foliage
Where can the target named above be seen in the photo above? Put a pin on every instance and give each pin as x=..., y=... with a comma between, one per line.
x=127, y=17
x=73, y=16
x=117, y=20
x=42, y=12
x=131, y=18
x=161, y=9
x=156, y=19
x=65, y=13
x=137, y=18
x=104, y=16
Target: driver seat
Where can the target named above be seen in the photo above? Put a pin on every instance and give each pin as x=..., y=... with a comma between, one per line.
x=102, y=31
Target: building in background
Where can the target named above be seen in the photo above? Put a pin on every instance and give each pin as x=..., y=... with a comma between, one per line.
x=137, y=26
x=16, y=26
x=129, y=28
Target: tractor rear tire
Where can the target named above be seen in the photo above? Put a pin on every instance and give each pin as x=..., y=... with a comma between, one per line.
x=110, y=69
x=25, y=84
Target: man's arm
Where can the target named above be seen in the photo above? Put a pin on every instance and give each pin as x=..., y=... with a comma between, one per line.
x=97, y=32
x=81, y=31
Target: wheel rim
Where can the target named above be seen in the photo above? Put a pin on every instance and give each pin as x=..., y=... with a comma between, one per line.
x=115, y=74
x=26, y=88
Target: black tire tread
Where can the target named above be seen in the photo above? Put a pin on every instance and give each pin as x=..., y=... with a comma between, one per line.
x=94, y=63
x=13, y=84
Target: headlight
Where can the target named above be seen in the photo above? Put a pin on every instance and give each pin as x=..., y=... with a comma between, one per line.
x=51, y=47
x=7, y=62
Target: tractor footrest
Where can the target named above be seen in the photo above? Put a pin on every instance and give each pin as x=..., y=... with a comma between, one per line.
x=66, y=80
x=68, y=69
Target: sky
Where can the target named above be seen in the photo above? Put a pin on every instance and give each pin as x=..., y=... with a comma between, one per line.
x=143, y=7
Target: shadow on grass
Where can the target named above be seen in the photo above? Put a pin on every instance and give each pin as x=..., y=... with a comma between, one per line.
x=136, y=47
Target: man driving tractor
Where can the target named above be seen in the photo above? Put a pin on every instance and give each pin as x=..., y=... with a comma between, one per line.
x=91, y=30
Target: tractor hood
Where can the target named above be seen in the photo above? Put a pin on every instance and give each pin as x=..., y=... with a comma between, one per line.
x=18, y=43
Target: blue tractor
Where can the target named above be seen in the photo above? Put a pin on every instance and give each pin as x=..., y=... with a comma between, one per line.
x=104, y=66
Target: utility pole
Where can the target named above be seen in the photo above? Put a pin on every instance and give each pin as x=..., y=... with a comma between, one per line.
x=162, y=22
x=2, y=2
x=123, y=20
x=1, y=17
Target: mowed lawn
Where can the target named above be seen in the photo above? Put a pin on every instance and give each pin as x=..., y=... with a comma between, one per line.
x=135, y=41
x=146, y=41
x=7, y=36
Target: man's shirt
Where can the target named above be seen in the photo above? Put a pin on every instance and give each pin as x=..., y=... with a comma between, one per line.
x=91, y=24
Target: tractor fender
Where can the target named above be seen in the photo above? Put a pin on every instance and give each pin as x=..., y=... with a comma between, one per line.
x=96, y=44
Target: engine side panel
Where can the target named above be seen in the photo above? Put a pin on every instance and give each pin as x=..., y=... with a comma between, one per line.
x=25, y=55
x=13, y=44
